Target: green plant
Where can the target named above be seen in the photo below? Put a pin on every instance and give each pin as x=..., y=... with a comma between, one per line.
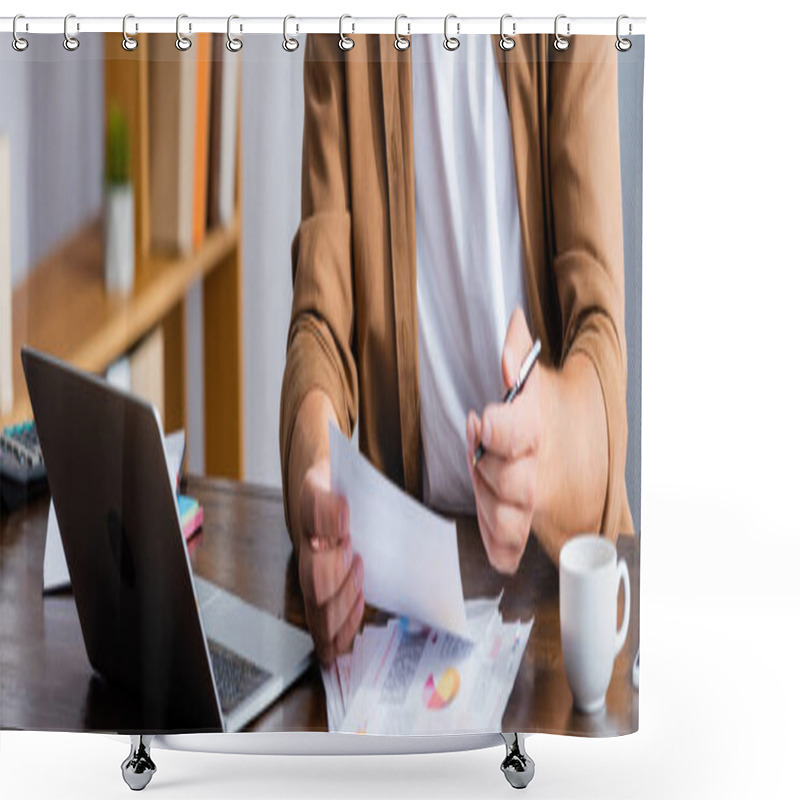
x=118, y=148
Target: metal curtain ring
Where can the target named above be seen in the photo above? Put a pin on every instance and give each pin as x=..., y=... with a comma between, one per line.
x=400, y=42
x=560, y=43
x=128, y=42
x=507, y=42
x=623, y=45
x=345, y=42
x=70, y=42
x=289, y=44
x=451, y=43
x=234, y=43
x=182, y=42
x=18, y=43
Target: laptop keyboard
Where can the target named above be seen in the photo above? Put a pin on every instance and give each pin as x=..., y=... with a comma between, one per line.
x=235, y=676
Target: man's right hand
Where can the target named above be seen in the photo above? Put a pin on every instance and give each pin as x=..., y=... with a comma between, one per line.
x=331, y=577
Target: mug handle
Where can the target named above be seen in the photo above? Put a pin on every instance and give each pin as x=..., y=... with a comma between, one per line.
x=622, y=633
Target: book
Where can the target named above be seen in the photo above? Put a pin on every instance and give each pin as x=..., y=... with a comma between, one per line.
x=191, y=513
x=225, y=81
x=214, y=132
x=172, y=88
x=202, y=45
x=6, y=341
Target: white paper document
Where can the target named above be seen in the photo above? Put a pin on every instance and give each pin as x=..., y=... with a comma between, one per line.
x=410, y=554
x=55, y=573
x=175, y=445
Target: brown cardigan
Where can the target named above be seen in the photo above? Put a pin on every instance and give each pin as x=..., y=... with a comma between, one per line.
x=353, y=330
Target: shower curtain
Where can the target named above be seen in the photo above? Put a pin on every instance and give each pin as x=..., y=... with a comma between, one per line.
x=382, y=294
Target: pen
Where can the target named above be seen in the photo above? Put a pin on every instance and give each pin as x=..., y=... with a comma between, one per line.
x=524, y=372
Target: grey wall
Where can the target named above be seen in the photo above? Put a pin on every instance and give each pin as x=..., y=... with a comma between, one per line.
x=272, y=128
x=272, y=93
x=56, y=151
x=631, y=87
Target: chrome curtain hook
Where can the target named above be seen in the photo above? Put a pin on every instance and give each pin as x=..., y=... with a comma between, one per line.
x=507, y=42
x=451, y=43
x=400, y=42
x=128, y=42
x=560, y=42
x=623, y=45
x=182, y=42
x=289, y=44
x=18, y=43
x=345, y=42
x=234, y=43
x=70, y=42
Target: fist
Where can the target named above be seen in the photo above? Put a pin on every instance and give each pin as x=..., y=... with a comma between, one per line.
x=504, y=479
x=331, y=576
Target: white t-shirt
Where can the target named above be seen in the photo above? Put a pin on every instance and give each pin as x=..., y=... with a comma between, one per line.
x=470, y=268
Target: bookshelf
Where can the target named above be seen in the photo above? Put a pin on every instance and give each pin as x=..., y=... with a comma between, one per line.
x=62, y=306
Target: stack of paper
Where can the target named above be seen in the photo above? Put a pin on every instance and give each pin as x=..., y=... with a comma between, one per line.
x=407, y=679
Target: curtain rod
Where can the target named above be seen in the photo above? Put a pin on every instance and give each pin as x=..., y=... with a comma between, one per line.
x=630, y=26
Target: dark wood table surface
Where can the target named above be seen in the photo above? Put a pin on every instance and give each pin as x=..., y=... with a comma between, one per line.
x=46, y=682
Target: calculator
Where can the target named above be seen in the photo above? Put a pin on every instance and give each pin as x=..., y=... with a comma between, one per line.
x=22, y=473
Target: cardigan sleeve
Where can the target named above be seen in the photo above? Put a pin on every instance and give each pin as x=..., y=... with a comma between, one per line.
x=319, y=347
x=586, y=194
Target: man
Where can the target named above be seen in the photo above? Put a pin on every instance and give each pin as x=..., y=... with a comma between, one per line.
x=445, y=204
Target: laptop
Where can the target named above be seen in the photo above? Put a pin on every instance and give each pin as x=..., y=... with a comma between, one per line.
x=193, y=656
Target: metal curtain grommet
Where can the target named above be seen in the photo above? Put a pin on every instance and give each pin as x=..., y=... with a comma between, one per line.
x=451, y=43
x=400, y=42
x=182, y=42
x=623, y=45
x=507, y=42
x=70, y=42
x=234, y=43
x=345, y=42
x=128, y=42
x=560, y=42
x=18, y=43
x=289, y=44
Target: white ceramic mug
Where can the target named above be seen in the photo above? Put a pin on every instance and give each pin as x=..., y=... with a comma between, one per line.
x=589, y=582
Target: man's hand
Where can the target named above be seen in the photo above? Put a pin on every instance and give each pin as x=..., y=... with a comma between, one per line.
x=331, y=578
x=504, y=480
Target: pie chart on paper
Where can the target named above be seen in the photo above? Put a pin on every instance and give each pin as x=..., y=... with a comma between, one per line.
x=439, y=695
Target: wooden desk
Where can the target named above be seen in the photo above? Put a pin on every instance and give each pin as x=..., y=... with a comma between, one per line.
x=46, y=682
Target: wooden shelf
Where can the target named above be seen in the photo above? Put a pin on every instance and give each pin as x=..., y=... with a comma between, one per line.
x=62, y=307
